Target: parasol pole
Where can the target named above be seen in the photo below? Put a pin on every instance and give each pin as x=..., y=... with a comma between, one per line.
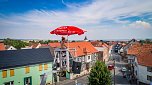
x=67, y=57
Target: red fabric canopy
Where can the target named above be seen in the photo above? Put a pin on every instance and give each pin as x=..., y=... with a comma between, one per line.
x=67, y=30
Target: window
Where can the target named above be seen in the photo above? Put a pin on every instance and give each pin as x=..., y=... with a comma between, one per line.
x=28, y=80
x=88, y=57
x=9, y=83
x=4, y=73
x=40, y=67
x=149, y=78
x=78, y=59
x=149, y=69
x=27, y=69
x=45, y=66
x=11, y=72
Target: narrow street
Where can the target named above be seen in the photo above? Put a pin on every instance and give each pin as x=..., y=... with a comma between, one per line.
x=119, y=79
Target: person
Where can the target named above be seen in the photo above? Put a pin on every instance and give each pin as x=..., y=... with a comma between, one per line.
x=63, y=43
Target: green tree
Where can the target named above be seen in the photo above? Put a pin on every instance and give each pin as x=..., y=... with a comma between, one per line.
x=18, y=44
x=99, y=75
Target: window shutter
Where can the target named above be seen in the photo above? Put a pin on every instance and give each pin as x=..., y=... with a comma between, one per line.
x=40, y=67
x=4, y=73
x=27, y=69
x=45, y=66
x=11, y=72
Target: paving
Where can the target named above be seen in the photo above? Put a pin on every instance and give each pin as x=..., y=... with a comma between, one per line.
x=79, y=81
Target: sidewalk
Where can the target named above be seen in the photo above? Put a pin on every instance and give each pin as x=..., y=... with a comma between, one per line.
x=72, y=81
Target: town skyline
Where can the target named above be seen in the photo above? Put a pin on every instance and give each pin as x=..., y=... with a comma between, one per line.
x=103, y=19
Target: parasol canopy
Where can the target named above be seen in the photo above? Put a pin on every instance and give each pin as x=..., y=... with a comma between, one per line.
x=68, y=30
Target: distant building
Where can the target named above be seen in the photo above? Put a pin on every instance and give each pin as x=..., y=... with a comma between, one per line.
x=32, y=46
x=86, y=39
x=10, y=47
x=25, y=67
x=103, y=50
x=35, y=45
x=124, y=49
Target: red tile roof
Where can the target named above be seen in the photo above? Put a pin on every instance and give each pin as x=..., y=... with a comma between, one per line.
x=99, y=44
x=138, y=48
x=34, y=45
x=145, y=59
x=82, y=48
x=42, y=45
x=55, y=45
x=2, y=46
x=143, y=53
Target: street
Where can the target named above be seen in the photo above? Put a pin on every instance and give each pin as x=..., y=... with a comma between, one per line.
x=119, y=79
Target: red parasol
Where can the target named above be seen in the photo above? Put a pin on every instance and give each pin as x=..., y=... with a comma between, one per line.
x=67, y=30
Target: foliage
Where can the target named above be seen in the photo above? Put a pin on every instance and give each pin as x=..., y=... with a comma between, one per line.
x=99, y=75
x=47, y=41
x=18, y=44
x=147, y=41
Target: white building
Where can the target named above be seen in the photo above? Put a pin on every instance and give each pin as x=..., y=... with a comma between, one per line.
x=143, y=68
x=10, y=47
x=103, y=50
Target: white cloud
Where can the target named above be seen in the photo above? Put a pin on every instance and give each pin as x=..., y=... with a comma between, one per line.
x=84, y=16
x=140, y=24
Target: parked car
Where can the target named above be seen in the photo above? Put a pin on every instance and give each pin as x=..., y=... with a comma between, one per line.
x=123, y=69
x=110, y=67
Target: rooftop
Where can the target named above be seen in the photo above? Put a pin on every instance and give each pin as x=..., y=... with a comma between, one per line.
x=81, y=47
x=137, y=48
x=24, y=57
x=2, y=46
x=145, y=59
x=143, y=52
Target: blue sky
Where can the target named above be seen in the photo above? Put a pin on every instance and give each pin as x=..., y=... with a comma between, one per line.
x=103, y=19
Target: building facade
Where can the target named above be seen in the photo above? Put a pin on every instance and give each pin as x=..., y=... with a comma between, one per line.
x=143, y=73
x=81, y=52
x=26, y=75
x=26, y=67
x=140, y=58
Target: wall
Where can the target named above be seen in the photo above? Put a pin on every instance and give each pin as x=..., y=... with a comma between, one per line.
x=83, y=58
x=103, y=53
x=142, y=73
x=19, y=75
x=86, y=58
x=106, y=54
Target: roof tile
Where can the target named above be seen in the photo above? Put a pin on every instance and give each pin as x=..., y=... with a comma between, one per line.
x=2, y=46
x=81, y=48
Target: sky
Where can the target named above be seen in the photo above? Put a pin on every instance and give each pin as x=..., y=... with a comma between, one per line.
x=102, y=19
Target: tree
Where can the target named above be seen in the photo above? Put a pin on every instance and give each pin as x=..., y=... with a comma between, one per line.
x=18, y=44
x=99, y=75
